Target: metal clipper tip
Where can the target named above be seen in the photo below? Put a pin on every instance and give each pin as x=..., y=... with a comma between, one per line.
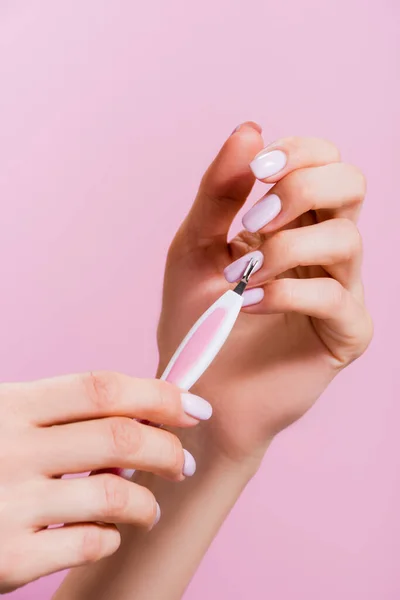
x=241, y=286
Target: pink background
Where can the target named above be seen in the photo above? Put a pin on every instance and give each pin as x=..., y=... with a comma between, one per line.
x=109, y=113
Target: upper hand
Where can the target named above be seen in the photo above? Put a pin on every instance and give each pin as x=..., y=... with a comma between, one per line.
x=305, y=318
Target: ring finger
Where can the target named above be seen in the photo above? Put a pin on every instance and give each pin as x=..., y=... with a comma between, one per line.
x=104, y=498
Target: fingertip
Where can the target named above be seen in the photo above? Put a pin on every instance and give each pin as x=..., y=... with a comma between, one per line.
x=156, y=518
x=113, y=541
x=189, y=465
x=196, y=407
x=126, y=473
x=253, y=296
x=268, y=163
x=158, y=514
x=110, y=540
x=248, y=124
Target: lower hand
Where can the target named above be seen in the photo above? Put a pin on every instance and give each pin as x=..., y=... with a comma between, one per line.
x=305, y=318
x=72, y=425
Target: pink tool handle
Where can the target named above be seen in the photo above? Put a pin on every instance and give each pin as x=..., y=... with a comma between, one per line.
x=196, y=346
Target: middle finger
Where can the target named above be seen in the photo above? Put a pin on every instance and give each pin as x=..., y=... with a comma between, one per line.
x=334, y=190
x=112, y=442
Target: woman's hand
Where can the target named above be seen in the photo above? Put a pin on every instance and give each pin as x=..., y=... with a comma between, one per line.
x=71, y=425
x=305, y=316
x=305, y=321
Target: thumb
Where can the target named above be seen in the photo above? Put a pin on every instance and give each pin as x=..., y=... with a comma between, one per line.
x=226, y=184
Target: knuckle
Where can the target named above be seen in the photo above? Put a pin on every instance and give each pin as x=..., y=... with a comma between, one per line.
x=362, y=340
x=125, y=436
x=247, y=241
x=116, y=496
x=91, y=545
x=296, y=144
x=302, y=182
x=102, y=389
x=350, y=237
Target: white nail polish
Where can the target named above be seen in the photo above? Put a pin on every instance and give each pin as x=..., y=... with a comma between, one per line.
x=126, y=473
x=196, y=407
x=189, y=465
x=158, y=515
x=252, y=296
x=268, y=163
x=262, y=213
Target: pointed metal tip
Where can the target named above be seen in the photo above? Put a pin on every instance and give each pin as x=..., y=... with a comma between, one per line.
x=249, y=270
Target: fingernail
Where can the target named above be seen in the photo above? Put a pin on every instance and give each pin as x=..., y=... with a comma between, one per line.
x=158, y=515
x=262, y=213
x=252, y=124
x=253, y=296
x=126, y=473
x=189, y=466
x=267, y=163
x=196, y=407
x=235, y=270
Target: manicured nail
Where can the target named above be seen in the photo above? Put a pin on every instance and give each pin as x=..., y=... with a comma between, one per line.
x=126, y=473
x=267, y=163
x=252, y=124
x=235, y=270
x=196, y=407
x=262, y=213
x=189, y=466
x=253, y=296
x=158, y=515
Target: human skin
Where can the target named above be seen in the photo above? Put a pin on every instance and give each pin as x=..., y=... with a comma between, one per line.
x=304, y=321
x=71, y=425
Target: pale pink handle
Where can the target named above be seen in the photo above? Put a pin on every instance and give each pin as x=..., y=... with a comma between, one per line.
x=196, y=345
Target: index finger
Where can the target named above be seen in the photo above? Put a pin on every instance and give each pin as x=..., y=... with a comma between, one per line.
x=225, y=185
x=103, y=394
